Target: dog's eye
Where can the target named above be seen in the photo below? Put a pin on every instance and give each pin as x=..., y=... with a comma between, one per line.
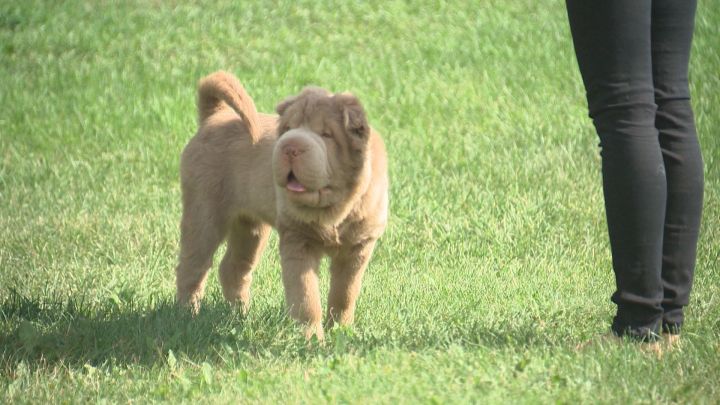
x=326, y=134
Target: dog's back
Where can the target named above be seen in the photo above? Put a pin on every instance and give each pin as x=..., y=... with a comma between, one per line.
x=232, y=141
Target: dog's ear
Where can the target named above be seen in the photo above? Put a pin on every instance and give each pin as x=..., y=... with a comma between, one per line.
x=353, y=115
x=283, y=106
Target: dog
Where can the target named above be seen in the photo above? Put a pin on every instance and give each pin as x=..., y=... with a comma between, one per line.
x=316, y=172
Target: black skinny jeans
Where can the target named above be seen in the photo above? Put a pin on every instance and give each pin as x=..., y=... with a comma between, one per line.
x=633, y=57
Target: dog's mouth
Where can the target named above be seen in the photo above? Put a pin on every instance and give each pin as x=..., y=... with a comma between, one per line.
x=310, y=198
x=293, y=184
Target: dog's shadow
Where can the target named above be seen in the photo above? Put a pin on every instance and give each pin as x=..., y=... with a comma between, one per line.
x=73, y=333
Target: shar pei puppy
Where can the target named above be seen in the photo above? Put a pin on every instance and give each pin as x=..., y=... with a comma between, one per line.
x=316, y=172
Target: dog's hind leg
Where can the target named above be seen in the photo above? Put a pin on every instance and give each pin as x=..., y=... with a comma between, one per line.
x=245, y=244
x=200, y=237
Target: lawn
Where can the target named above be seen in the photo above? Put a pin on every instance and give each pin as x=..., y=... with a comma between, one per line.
x=495, y=265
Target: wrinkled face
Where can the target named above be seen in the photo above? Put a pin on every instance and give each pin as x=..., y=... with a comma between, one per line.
x=320, y=153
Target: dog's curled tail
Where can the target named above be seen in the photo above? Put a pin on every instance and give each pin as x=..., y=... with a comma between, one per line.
x=222, y=87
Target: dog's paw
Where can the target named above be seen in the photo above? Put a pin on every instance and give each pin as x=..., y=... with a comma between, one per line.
x=314, y=331
x=238, y=298
x=190, y=302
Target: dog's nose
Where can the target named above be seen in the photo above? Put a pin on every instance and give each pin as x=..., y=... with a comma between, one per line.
x=291, y=150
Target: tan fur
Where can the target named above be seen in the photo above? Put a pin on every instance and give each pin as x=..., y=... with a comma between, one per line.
x=317, y=173
x=221, y=87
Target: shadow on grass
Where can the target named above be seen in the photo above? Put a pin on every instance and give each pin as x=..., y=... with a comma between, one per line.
x=73, y=333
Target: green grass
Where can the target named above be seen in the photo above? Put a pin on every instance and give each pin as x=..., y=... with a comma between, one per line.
x=495, y=264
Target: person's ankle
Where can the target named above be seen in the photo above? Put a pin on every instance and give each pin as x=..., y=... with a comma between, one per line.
x=640, y=335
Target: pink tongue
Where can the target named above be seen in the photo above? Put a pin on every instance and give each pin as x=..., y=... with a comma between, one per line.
x=294, y=185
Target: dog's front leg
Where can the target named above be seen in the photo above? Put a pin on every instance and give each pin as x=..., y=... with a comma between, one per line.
x=346, y=273
x=300, y=261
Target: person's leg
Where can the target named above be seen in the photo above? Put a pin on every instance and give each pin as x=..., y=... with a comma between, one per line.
x=672, y=30
x=612, y=45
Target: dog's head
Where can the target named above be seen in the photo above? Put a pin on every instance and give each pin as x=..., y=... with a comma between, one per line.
x=319, y=160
